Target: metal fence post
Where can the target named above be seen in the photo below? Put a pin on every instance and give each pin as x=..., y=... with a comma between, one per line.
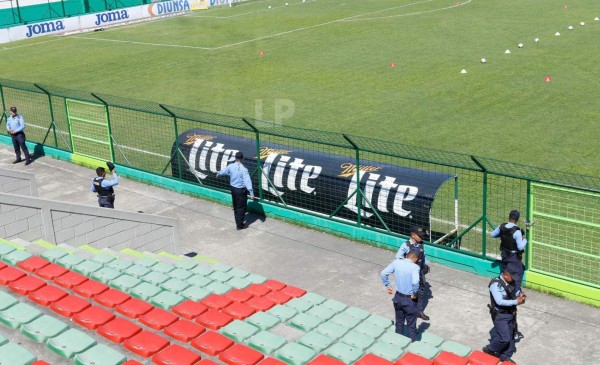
x=259, y=166
x=110, y=139
x=175, y=129
x=528, y=233
x=484, y=219
x=359, y=194
x=3, y=105
x=51, y=115
x=19, y=12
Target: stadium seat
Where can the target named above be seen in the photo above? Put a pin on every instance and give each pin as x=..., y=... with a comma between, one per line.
x=211, y=343
x=184, y=330
x=162, y=267
x=69, y=305
x=26, y=285
x=257, y=290
x=118, y=330
x=271, y=361
x=70, y=343
x=219, y=276
x=185, y=264
x=158, y=319
x=136, y=270
x=321, y=312
x=133, y=308
x=218, y=288
x=481, y=358
x=357, y=340
x=54, y=254
x=14, y=354
x=145, y=344
x=361, y=314
x=266, y=342
x=145, y=291
x=6, y=300
x=378, y=321
x=344, y=352
x=299, y=305
x=111, y=298
x=93, y=317
x=238, y=283
x=395, y=340
x=195, y=293
x=69, y=279
x=175, y=285
x=274, y=284
x=325, y=360
x=103, y=258
x=431, y=339
x=2, y=265
x=198, y=280
x=189, y=309
x=16, y=256
x=47, y=295
x=369, y=329
x=87, y=267
x=166, y=299
x=386, y=351
x=345, y=320
x=40, y=362
x=239, y=354
x=239, y=310
x=238, y=295
x=239, y=273
x=119, y=264
x=155, y=277
x=216, y=301
x=295, y=354
x=10, y=274
x=69, y=261
x=100, y=354
x=305, y=322
x=90, y=289
x=316, y=341
x=423, y=349
x=132, y=362
x=261, y=304
x=51, y=271
x=106, y=275
x=124, y=282
x=239, y=330
x=332, y=330
x=33, y=263
x=335, y=305
x=180, y=274
x=263, y=320
x=412, y=359
x=202, y=270
x=448, y=358
x=296, y=292
x=5, y=249
x=278, y=297
x=213, y=319
x=283, y=312
x=19, y=314
x=176, y=355
x=43, y=328
x=455, y=348
x=371, y=359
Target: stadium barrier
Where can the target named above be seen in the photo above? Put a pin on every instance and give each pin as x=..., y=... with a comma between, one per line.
x=179, y=148
x=17, y=183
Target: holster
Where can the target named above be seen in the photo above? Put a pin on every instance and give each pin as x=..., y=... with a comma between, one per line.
x=493, y=312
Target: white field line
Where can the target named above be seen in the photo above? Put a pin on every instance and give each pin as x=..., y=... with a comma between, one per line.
x=143, y=43
x=28, y=45
x=408, y=14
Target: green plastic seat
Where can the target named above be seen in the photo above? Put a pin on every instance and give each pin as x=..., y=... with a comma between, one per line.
x=299, y=304
x=125, y=282
x=119, y=264
x=43, y=328
x=284, y=313
x=69, y=261
x=357, y=340
x=54, y=254
x=334, y=305
x=357, y=313
x=239, y=283
x=379, y=321
x=70, y=343
x=266, y=342
x=221, y=267
x=7, y=300
x=295, y=354
x=144, y=291
x=195, y=293
x=456, y=348
x=256, y=279
x=155, y=277
x=322, y=312
x=162, y=267
x=175, y=285
x=103, y=258
x=345, y=320
x=305, y=322
x=105, y=275
x=181, y=274
x=146, y=261
x=332, y=330
x=136, y=270
x=394, y=339
x=218, y=288
x=219, y=276
x=202, y=270
x=100, y=355
x=198, y=280
x=87, y=267
x=13, y=354
x=386, y=351
x=235, y=272
x=431, y=339
x=313, y=298
x=166, y=300
x=184, y=264
x=316, y=341
x=263, y=320
x=5, y=249
x=369, y=329
x=3, y=340
x=19, y=314
x=239, y=330
x=423, y=349
x=15, y=257
x=344, y=352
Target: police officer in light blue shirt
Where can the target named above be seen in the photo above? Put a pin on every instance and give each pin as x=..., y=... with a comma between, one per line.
x=415, y=244
x=512, y=245
x=15, y=125
x=241, y=187
x=406, y=276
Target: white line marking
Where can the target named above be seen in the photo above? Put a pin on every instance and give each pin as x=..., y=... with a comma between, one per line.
x=28, y=45
x=143, y=43
x=409, y=14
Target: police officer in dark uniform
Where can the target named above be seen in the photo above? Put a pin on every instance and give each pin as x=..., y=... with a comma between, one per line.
x=512, y=245
x=104, y=187
x=415, y=244
x=503, y=308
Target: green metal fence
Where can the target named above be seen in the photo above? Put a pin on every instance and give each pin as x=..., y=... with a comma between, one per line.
x=142, y=135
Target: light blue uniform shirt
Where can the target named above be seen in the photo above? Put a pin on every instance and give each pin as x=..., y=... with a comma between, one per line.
x=239, y=176
x=16, y=123
x=406, y=276
x=499, y=293
x=404, y=250
x=107, y=183
x=518, y=236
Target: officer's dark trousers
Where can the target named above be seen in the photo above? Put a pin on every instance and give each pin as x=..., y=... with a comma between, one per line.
x=18, y=141
x=421, y=292
x=511, y=261
x=240, y=203
x=106, y=202
x=504, y=343
x=406, y=310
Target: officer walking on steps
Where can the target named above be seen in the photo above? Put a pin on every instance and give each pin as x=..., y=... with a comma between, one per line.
x=415, y=244
x=512, y=245
x=104, y=187
x=241, y=186
x=406, y=277
x=503, y=307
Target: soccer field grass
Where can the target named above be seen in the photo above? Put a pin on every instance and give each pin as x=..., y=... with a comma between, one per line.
x=332, y=61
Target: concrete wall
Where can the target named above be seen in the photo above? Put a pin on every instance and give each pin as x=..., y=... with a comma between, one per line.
x=18, y=183
x=31, y=218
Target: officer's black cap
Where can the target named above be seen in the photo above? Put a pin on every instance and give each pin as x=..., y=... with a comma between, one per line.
x=514, y=214
x=418, y=231
x=239, y=155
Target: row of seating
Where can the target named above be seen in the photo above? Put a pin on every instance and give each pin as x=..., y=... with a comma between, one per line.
x=167, y=307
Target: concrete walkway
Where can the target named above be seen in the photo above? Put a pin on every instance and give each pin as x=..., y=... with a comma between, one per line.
x=557, y=331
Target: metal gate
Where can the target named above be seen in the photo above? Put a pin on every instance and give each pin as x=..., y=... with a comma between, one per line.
x=89, y=129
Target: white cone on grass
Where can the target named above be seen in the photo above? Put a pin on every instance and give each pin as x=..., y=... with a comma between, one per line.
x=557, y=34
x=507, y=51
x=570, y=27
x=521, y=45
x=483, y=60
x=596, y=19
x=463, y=71
x=537, y=40
x=582, y=24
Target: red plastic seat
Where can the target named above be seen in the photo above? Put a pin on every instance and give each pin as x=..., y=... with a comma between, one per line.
x=47, y=295
x=213, y=319
x=33, y=263
x=278, y=297
x=132, y=362
x=412, y=359
x=133, y=308
x=118, y=330
x=70, y=279
x=145, y=344
x=40, y=362
x=90, y=288
x=184, y=330
x=271, y=361
x=212, y=343
x=239, y=310
x=325, y=360
x=112, y=298
x=293, y=291
x=93, y=317
x=216, y=301
x=448, y=358
x=158, y=318
x=261, y=304
x=189, y=309
x=238, y=295
x=26, y=285
x=239, y=354
x=51, y=271
x=69, y=305
x=176, y=355
x=2, y=265
x=258, y=290
x=10, y=274
x=274, y=284
x=371, y=359
x=481, y=358
x=206, y=362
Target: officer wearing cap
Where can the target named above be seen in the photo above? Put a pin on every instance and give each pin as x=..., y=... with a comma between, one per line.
x=15, y=125
x=104, y=187
x=503, y=307
x=406, y=277
x=415, y=244
x=512, y=245
x=241, y=186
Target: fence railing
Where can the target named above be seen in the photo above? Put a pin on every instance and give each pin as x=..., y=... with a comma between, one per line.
x=474, y=195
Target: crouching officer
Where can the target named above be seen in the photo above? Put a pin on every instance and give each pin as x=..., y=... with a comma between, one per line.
x=104, y=187
x=503, y=309
x=415, y=245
